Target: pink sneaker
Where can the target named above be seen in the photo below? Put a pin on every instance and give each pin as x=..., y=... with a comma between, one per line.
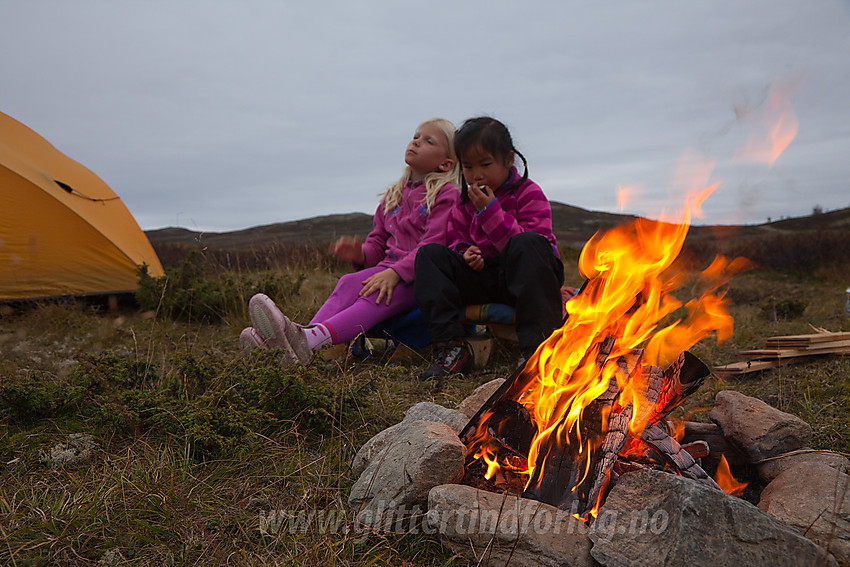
x=298, y=341
x=276, y=330
x=249, y=340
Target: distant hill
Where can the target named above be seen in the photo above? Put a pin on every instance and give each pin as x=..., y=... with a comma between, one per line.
x=317, y=229
x=572, y=225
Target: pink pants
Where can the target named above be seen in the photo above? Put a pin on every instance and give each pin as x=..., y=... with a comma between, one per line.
x=346, y=314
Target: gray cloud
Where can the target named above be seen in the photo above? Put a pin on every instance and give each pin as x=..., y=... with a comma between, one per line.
x=224, y=115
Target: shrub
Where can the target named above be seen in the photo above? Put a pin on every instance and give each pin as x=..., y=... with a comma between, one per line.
x=783, y=309
x=194, y=291
x=805, y=254
x=215, y=407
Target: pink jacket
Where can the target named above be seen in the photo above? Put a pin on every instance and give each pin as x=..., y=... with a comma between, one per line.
x=518, y=207
x=398, y=234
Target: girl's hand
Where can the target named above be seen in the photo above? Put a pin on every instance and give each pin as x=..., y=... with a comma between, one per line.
x=383, y=283
x=350, y=249
x=473, y=258
x=481, y=196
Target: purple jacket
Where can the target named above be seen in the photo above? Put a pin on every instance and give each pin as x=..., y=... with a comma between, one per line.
x=398, y=234
x=515, y=209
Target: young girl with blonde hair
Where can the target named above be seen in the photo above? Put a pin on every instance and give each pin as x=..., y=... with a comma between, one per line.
x=413, y=211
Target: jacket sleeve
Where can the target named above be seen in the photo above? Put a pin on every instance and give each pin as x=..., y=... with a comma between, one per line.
x=375, y=245
x=436, y=230
x=533, y=213
x=460, y=223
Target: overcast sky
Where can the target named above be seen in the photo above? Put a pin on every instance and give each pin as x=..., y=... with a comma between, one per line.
x=218, y=116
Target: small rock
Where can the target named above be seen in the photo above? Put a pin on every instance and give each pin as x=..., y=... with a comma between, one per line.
x=492, y=529
x=772, y=468
x=656, y=518
x=473, y=402
x=396, y=483
x=423, y=411
x=759, y=430
x=429, y=411
x=814, y=498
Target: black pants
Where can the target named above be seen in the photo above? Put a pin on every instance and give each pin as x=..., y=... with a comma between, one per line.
x=526, y=275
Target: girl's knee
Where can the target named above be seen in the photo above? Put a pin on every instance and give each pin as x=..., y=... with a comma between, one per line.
x=527, y=241
x=349, y=279
x=430, y=252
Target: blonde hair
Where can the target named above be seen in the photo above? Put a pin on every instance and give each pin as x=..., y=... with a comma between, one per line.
x=435, y=180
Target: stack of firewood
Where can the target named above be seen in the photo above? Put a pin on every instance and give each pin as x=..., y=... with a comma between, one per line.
x=788, y=349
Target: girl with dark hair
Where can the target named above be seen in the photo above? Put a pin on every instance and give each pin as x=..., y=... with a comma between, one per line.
x=501, y=249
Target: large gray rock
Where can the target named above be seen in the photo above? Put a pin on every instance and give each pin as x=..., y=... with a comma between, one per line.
x=759, y=430
x=814, y=498
x=656, y=518
x=396, y=482
x=772, y=468
x=429, y=411
x=476, y=399
x=496, y=529
x=423, y=411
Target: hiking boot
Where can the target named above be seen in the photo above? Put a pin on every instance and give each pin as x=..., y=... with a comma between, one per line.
x=452, y=357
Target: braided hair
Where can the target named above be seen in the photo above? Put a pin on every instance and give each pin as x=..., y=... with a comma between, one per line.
x=491, y=136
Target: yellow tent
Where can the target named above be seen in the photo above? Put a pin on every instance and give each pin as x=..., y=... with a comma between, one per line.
x=63, y=231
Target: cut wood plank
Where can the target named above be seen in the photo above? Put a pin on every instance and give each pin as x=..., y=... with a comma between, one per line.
x=787, y=349
x=746, y=366
x=803, y=340
x=481, y=349
x=750, y=366
x=841, y=347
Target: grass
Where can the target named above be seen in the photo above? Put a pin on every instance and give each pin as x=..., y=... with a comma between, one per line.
x=194, y=447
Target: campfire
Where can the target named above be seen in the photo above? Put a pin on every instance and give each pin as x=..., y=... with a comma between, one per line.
x=594, y=399
x=566, y=461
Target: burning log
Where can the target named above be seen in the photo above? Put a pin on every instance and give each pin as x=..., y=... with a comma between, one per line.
x=680, y=380
x=509, y=390
x=560, y=474
x=669, y=449
x=710, y=434
x=615, y=438
x=512, y=426
x=566, y=453
x=617, y=432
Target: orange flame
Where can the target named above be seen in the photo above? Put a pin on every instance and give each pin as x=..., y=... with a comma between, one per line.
x=780, y=128
x=678, y=430
x=625, y=194
x=627, y=297
x=725, y=479
x=492, y=465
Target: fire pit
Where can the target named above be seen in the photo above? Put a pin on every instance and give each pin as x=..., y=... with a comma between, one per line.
x=587, y=417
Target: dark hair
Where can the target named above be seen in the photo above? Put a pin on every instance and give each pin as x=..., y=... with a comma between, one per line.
x=491, y=136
